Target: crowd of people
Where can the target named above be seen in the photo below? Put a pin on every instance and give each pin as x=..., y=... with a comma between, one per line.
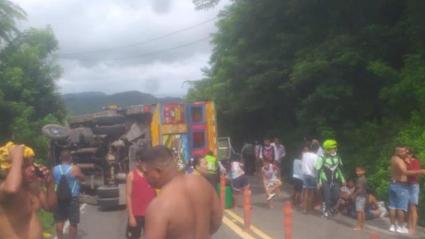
x=317, y=179
x=319, y=182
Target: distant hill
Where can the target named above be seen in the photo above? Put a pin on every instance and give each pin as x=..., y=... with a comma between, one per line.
x=88, y=102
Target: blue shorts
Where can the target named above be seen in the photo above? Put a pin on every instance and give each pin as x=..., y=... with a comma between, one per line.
x=240, y=182
x=398, y=196
x=309, y=182
x=414, y=194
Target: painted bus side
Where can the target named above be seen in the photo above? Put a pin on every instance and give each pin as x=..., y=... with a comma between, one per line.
x=189, y=129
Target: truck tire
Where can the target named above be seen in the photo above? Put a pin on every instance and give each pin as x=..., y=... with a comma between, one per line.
x=91, y=150
x=82, y=120
x=88, y=199
x=54, y=131
x=108, y=192
x=109, y=119
x=112, y=130
x=107, y=203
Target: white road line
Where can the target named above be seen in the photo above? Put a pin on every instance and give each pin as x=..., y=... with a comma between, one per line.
x=65, y=227
x=82, y=208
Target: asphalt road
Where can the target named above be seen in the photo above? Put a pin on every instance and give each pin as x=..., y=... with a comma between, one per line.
x=267, y=223
x=112, y=224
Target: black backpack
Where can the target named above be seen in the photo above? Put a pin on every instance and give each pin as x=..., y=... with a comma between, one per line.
x=63, y=191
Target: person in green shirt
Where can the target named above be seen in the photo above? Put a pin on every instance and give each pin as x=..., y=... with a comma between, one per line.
x=330, y=176
x=212, y=166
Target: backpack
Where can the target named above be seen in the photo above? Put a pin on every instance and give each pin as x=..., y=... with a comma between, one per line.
x=63, y=191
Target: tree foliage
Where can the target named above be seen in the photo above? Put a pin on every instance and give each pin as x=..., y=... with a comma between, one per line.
x=204, y=4
x=28, y=71
x=354, y=70
x=9, y=15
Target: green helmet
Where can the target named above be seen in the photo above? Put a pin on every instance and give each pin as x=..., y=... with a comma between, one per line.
x=329, y=144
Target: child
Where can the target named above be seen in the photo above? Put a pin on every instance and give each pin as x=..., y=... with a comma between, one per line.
x=345, y=194
x=271, y=181
x=360, y=196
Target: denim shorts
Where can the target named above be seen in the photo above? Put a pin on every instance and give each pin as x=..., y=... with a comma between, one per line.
x=360, y=203
x=414, y=194
x=398, y=196
x=309, y=182
x=240, y=182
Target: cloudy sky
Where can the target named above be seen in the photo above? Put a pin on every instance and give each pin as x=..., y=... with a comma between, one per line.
x=153, y=46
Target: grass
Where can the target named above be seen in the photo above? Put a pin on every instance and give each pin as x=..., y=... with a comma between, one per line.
x=48, y=223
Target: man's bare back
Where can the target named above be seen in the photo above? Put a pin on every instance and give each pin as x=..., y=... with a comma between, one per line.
x=187, y=207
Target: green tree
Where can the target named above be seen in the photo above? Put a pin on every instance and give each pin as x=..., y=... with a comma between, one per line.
x=28, y=71
x=28, y=96
x=9, y=15
x=203, y=4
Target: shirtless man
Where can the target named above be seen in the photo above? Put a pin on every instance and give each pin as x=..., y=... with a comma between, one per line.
x=21, y=196
x=399, y=191
x=187, y=205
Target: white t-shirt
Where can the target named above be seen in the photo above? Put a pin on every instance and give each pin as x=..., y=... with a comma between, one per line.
x=308, y=162
x=320, y=152
x=237, y=170
x=297, y=169
x=279, y=152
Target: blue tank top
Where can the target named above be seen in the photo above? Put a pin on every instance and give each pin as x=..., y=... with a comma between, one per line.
x=73, y=182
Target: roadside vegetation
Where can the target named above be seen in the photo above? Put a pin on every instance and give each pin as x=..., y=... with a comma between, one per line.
x=353, y=70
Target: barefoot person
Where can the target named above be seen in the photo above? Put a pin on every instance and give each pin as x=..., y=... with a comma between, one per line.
x=271, y=181
x=360, y=197
x=399, y=189
x=139, y=195
x=186, y=207
x=22, y=194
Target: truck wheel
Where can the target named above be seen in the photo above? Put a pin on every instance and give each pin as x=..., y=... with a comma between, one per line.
x=88, y=199
x=108, y=192
x=54, y=131
x=78, y=121
x=112, y=130
x=91, y=150
x=109, y=119
x=107, y=203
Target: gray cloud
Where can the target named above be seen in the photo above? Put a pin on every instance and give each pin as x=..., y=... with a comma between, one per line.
x=161, y=6
x=93, y=34
x=152, y=85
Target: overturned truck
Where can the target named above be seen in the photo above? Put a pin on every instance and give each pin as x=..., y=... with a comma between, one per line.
x=103, y=144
